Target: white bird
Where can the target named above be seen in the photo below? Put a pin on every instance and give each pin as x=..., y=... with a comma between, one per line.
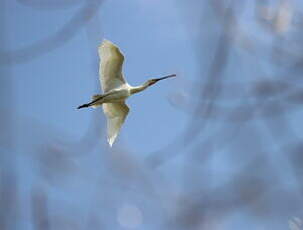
x=115, y=89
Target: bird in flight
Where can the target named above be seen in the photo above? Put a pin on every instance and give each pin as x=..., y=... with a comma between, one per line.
x=115, y=89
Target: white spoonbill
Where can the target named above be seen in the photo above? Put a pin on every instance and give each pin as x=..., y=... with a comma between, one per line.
x=115, y=89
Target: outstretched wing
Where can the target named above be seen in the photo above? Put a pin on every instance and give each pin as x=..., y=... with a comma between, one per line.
x=110, y=69
x=115, y=114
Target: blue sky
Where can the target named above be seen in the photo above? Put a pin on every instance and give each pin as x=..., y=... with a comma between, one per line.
x=57, y=152
x=55, y=83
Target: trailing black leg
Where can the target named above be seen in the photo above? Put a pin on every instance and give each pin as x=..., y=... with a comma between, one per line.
x=83, y=106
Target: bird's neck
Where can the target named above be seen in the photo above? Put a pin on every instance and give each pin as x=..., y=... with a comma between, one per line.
x=137, y=89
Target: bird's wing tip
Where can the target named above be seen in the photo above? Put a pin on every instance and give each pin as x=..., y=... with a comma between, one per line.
x=106, y=43
x=110, y=141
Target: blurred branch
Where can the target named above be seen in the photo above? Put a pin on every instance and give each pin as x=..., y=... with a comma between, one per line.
x=40, y=210
x=65, y=33
x=49, y=4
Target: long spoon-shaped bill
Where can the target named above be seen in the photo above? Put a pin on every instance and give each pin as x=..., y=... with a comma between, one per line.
x=162, y=78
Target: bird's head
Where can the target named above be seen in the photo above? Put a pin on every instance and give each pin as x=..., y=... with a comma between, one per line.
x=155, y=80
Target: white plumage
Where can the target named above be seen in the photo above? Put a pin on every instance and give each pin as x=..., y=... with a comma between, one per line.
x=115, y=89
x=111, y=77
x=110, y=69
